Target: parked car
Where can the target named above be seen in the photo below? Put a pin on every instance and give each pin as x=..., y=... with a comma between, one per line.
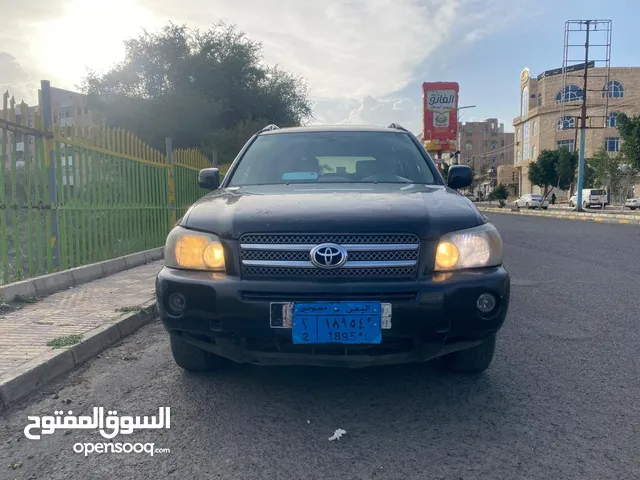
x=335, y=246
x=632, y=203
x=532, y=200
x=474, y=197
x=591, y=197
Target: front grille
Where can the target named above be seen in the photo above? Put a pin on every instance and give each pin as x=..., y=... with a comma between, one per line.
x=361, y=239
x=379, y=296
x=287, y=256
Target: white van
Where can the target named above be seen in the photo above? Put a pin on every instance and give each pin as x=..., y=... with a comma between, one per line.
x=591, y=197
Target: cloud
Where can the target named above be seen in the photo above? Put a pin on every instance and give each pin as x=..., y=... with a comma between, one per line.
x=372, y=111
x=17, y=81
x=353, y=53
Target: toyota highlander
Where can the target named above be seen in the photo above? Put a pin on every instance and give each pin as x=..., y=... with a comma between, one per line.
x=333, y=246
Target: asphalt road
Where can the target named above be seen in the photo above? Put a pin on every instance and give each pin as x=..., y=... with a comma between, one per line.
x=560, y=401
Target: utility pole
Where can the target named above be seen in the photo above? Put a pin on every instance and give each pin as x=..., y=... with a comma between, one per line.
x=569, y=93
x=583, y=120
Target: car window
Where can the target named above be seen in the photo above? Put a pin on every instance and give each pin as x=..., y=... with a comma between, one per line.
x=355, y=157
x=536, y=197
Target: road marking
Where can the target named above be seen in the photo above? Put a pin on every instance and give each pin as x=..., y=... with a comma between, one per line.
x=598, y=219
x=623, y=221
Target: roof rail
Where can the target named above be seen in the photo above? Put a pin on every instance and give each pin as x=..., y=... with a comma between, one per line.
x=397, y=126
x=268, y=128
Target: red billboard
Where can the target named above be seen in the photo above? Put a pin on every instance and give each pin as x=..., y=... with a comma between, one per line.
x=439, y=114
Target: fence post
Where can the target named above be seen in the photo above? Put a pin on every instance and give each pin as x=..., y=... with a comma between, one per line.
x=172, y=183
x=50, y=163
x=215, y=158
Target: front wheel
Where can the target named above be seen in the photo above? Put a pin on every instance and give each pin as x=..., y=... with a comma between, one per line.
x=544, y=208
x=527, y=205
x=472, y=360
x=192, y=358
x=585, y=205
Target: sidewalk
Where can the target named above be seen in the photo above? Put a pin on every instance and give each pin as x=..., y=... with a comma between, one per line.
x=84, y=310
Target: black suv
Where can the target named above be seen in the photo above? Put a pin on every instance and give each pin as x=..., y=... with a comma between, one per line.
x=335, y=246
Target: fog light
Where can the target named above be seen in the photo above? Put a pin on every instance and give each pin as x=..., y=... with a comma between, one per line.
x=177, y=303
x=486, y=303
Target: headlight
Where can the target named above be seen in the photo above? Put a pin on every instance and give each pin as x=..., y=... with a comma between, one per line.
x=191, y=250
x=473, y=248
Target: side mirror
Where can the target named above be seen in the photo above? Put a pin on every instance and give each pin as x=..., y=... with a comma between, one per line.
x=459, y=176
x=209, y=178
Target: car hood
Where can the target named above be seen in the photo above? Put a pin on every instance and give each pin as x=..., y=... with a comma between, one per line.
x=426, y=210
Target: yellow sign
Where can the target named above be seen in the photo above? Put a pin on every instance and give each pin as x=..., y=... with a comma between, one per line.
x=524, y=76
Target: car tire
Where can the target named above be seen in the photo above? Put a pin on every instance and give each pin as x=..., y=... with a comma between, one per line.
x=472, y=360
x=544, y=208
x=191, y=358
x=585, y=205
x=528, y=206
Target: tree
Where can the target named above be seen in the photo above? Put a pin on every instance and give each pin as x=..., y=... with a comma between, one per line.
x=553, y=169
x=629, y=128
x=588, y=179
x=201, y=88
x=500, y=193
x=445, y=169
x=614, y=171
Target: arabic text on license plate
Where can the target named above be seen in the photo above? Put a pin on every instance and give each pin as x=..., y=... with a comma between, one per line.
x=339, y=322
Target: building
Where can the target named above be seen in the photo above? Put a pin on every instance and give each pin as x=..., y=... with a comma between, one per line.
x=68, y=109
x=549, y=111
x=485, y=146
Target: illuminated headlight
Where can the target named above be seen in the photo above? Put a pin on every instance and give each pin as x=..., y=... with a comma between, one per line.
x=189, y=250
x=473, y=248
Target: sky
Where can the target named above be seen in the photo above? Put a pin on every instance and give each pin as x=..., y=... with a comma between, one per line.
x=364, y=60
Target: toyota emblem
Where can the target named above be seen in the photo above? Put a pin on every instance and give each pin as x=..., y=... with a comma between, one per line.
x=328, y=255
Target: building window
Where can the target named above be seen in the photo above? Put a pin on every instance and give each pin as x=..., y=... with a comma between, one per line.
x=612, y=121
x=518, y=135
x=539, y=99
x=79, y=110
x=525, y=146
x=570, y=93
x=534, y=153
x=468, y=146
x=518, y=156
x=55, y=119
x=485, y=143
x=525, y=101
x=566, y=123
x=493, y=160
x=513, y=176
x=502, y=143
x=468, y=159
x=612, y=144
x=613, y=90
x=569, y=144
x=494, y=144
x=86, y=110
x=535, y=128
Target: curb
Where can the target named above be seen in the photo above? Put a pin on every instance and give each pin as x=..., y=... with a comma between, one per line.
x=610, y=218
x=33, y=375
x=56, y=282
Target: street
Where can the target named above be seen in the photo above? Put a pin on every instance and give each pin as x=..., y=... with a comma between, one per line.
x=560, y=401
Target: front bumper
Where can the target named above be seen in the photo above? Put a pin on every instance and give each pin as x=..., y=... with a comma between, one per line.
x=430, y=317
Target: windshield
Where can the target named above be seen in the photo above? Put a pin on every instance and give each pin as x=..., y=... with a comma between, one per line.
x=354, y=157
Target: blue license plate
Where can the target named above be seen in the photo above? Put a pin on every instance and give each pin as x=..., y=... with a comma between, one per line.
x=339, y=322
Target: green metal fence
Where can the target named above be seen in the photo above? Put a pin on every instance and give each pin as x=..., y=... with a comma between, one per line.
x=71, y=196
